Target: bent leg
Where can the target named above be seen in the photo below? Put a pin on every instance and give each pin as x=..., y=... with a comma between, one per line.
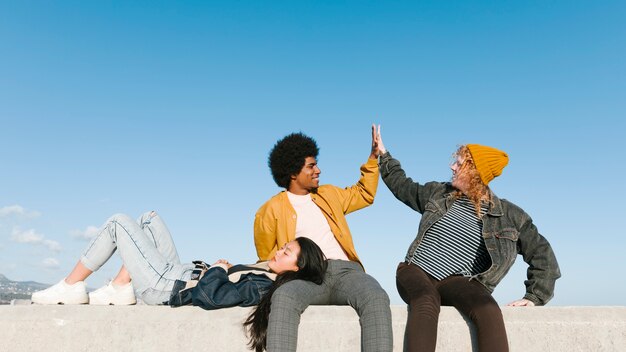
x=418, y=290
x=288, y=303
x=361, y=291
x=100, y=249
x=154, y=226
x=476, y=302
x=157, y=231
x=79, y=273
x=122, y=277
x=153, y=275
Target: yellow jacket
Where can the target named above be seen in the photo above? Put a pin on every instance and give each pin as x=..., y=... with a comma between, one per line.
x=275, y=221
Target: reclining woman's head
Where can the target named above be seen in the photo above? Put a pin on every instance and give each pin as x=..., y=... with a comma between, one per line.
x=303, y=256
x=300, y=259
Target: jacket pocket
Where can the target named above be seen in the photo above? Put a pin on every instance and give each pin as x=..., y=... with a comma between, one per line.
x=506, y=241
x=432, y=213
x=431, y=207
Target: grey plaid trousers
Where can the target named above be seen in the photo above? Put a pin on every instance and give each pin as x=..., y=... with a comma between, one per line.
x=345, y=284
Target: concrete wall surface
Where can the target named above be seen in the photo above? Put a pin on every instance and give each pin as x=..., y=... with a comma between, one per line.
x=323, y=328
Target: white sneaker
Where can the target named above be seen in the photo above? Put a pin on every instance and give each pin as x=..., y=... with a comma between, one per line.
x=113, y=295
x=62, y=293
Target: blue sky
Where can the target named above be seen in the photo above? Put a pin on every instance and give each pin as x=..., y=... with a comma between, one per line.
x=117, y=106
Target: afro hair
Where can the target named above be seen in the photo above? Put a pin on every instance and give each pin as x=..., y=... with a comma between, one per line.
x=288, y=156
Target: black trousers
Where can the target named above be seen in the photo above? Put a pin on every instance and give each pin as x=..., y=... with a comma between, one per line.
x=425, y=295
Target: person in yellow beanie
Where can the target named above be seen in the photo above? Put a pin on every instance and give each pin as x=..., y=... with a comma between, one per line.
x=467, y=241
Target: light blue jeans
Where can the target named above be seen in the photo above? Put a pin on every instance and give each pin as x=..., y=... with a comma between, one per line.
x=148, y=253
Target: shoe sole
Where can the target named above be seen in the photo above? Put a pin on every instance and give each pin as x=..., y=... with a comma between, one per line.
x=111, y=303
x=71, y=301
x=96, y=302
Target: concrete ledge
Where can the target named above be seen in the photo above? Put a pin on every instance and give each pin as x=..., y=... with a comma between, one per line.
x=323, y=328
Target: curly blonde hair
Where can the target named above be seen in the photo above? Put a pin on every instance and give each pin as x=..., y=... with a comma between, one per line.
x=477, y=190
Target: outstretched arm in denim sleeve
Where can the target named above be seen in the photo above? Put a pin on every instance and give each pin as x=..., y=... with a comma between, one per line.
x=409, y=192
x=543, y=268
x=402, y=187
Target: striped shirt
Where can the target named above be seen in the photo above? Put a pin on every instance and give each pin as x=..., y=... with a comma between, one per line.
x=454, y=245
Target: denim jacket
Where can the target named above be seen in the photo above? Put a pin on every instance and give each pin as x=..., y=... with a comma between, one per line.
x=242, y=286
x=507, y=231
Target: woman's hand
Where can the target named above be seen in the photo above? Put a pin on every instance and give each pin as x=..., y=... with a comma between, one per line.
x=521, y=303
x=223, y=262
x=378, y=148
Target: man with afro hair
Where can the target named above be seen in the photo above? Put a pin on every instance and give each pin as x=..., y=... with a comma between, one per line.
x=307, y=209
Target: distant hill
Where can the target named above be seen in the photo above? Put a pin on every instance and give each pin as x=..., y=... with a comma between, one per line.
x=10, y=289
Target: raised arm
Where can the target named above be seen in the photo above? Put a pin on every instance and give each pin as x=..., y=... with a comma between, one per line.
x=403, y=188
x=362, y=194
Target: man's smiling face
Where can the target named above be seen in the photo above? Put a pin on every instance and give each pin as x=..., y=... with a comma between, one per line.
x=308, y=179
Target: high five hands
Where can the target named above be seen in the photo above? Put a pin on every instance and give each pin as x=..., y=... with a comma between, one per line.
x=378, y=147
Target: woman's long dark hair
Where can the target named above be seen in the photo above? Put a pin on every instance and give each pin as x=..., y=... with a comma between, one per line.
x=311, y=267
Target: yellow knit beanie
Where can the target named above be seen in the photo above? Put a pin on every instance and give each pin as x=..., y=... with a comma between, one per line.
x=489, y=161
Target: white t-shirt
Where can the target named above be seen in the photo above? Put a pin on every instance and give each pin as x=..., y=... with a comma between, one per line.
x=311, y=223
